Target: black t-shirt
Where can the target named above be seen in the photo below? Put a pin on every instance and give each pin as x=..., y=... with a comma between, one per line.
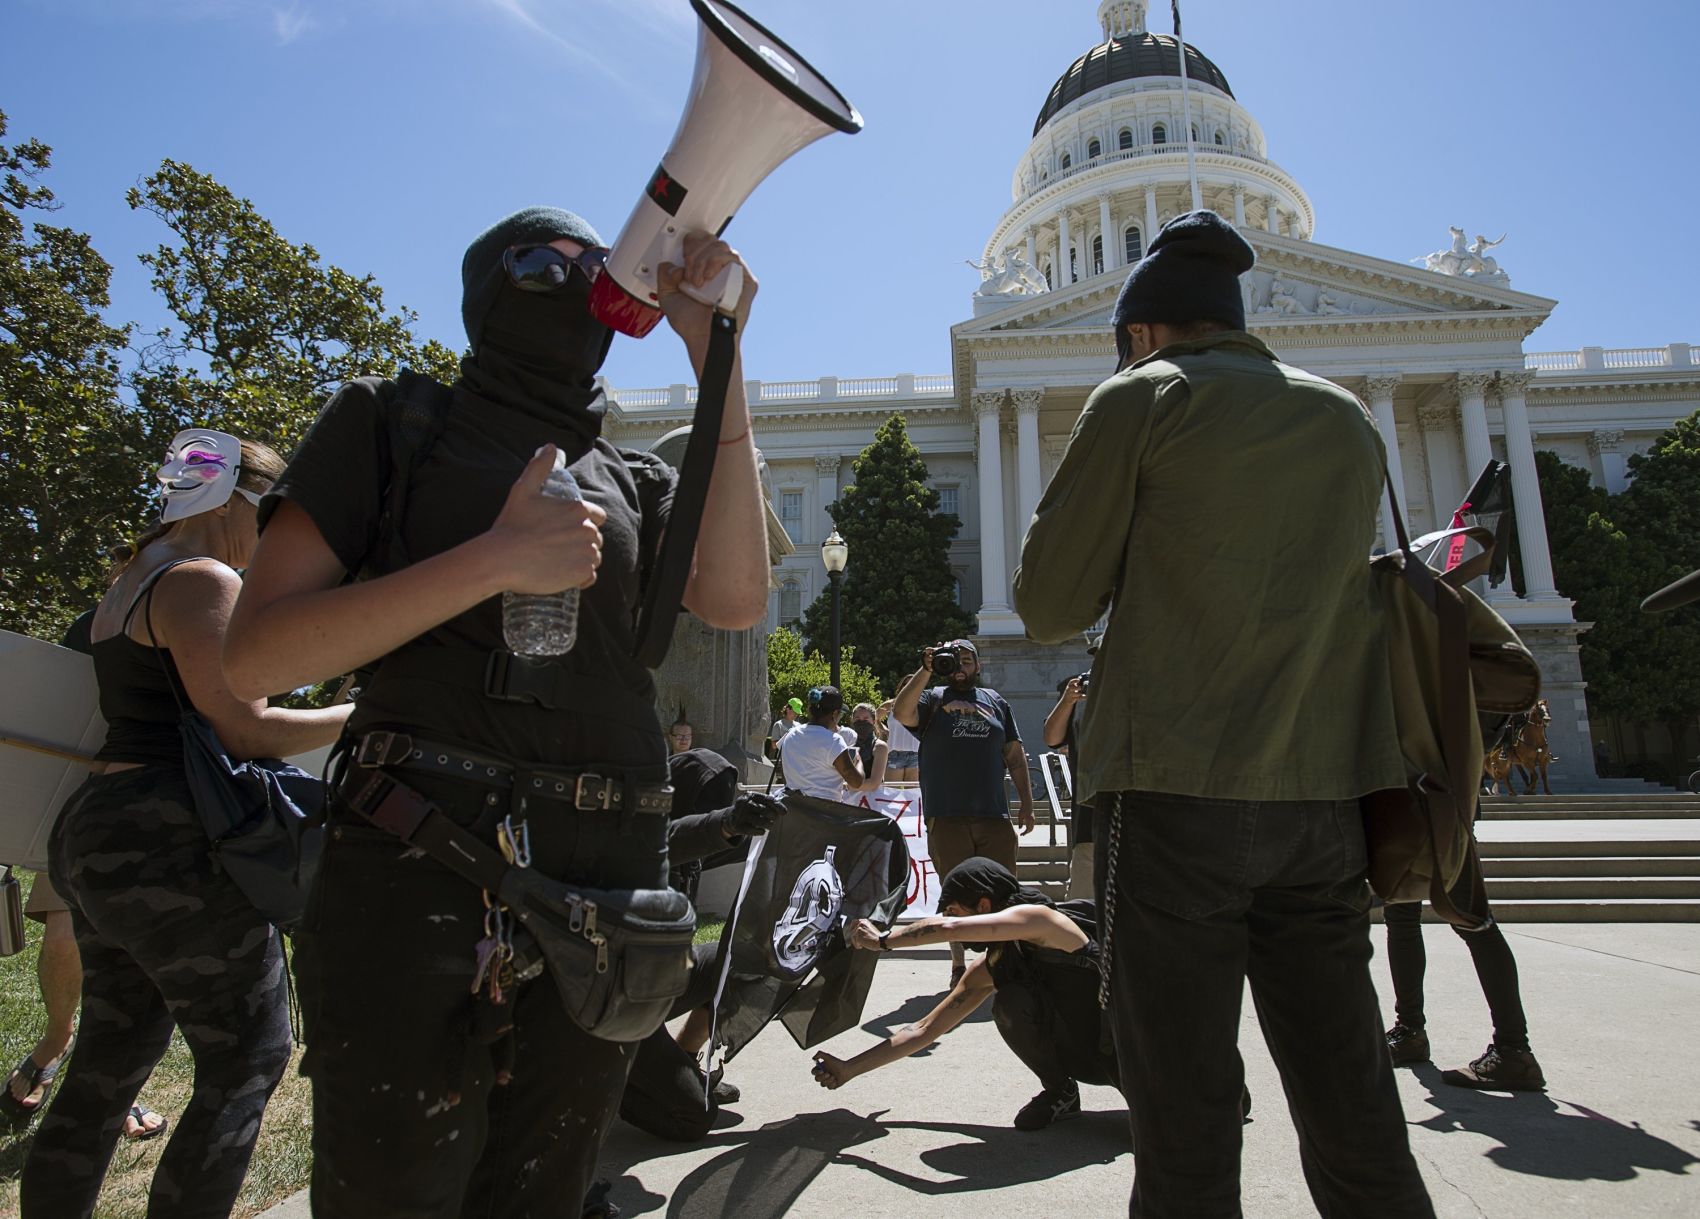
x=963, y=735
x=339, y=476
x=1080, y=812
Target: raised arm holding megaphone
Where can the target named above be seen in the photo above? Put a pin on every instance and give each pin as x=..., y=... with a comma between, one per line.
x=753, y=103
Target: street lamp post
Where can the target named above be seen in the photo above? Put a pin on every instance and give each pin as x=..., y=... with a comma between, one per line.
x=835, y=554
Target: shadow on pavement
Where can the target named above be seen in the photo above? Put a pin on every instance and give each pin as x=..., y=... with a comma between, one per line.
x=912, y=1010
x=1540, y=1139
x=760, y=1174
x=997, y=1157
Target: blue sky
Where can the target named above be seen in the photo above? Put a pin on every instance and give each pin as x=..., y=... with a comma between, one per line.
x=388, y=132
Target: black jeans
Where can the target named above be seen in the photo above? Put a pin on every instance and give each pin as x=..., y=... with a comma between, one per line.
x=1209, y=894
x=409, y=1119
x=1496, y=970
x=664, y=1094
x=167, y=940
x=1058, y=1056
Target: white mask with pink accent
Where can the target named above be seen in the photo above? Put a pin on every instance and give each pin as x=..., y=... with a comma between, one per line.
x=199, y=474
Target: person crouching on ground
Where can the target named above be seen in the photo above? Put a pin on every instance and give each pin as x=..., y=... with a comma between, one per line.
x=1040, y=970
x=419, y=1106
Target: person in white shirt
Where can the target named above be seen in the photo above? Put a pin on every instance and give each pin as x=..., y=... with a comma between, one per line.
x=904, y=763
x=817, y=761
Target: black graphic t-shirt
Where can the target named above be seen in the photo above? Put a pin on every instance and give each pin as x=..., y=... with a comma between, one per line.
x=963, y=735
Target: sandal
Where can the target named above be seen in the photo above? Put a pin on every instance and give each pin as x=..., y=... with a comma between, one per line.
x=19, y=1111
x=140, y=1114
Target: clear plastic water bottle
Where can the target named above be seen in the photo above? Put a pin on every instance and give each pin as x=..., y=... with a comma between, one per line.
x=544, y=624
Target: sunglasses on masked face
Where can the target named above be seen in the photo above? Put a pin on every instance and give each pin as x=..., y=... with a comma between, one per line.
x=543, y=268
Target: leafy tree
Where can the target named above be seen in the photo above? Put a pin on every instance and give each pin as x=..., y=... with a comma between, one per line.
x=898, y=594
x=1609, y=552
x=791, y=673
x=265, y=330
x=70, y=479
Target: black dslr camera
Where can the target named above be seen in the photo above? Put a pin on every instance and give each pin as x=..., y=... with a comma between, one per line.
x=946, y=661
x=1085, y=680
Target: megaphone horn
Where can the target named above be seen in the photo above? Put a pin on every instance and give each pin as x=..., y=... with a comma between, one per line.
x=731, y=136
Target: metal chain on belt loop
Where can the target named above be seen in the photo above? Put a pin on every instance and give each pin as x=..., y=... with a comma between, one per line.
x=1107, y=958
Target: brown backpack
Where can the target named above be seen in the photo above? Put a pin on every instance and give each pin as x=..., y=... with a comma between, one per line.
x=1449, y=655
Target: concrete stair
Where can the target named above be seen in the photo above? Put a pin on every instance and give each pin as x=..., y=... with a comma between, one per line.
x=1617, y=857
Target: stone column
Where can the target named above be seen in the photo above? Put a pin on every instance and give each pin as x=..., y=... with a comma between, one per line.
x=1613, y=467
x=1150, y=217
x=1057, y=280
x=1239, y=205
x=1112, y=247
x=1472, y=412
x=1033, y=247
x=826, y=471
x=994, y=576
x=1381, y=388
x=1526, y=485
x=1271, y=215
x=1438, y=423
x=1065, y=274
x=1028, y=481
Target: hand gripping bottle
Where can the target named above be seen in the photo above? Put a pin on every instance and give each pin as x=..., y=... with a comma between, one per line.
x=544, y=624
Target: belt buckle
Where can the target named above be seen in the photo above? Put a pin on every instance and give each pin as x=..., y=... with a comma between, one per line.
x=601, y=794
x=375, y=749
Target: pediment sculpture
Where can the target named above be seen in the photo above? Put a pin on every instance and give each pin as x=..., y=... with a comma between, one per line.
x=1468, y=261
x=1011, y=276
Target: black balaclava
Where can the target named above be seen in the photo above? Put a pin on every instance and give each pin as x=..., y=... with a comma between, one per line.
x=533, y=354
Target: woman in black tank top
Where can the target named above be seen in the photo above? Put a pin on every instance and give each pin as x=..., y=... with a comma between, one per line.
x=167, y=941
x=1040, y=970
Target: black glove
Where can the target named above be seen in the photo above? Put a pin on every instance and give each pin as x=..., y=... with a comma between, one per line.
x=753, y=813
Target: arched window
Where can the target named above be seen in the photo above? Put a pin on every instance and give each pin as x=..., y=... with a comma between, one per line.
x=1124, y=141
x=1073, y=266
x=1220, y=142
x=1195, y=133
x=1094, y=150
x=790, y=603
x=1133, y=245
x=1159, y=134
x=1097, y=256
x=1067, y=160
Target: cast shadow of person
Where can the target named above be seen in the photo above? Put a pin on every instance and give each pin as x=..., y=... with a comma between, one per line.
x=912, y=1010
x=762, y=1173
x=1538, y=1138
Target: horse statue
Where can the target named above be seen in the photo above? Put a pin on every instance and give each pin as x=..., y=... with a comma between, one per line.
x=1522, y=744
x=1449, y=262
x=1467, y=261
x=1482, y=266
x=1012, y=276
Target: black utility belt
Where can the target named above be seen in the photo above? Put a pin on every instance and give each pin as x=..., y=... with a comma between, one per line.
x=587, y=790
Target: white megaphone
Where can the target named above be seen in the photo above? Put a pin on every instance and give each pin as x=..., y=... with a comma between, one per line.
x=753, y=102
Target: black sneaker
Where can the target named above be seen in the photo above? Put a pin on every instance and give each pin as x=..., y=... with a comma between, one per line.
x=1048, y=1107
x=723, y=1092
x=1407, y=1046
x=1499, y=1070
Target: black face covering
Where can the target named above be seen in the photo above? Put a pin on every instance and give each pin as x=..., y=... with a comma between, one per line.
x=538, y=355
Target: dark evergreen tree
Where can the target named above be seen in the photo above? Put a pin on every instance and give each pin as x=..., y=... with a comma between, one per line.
x=898, y=594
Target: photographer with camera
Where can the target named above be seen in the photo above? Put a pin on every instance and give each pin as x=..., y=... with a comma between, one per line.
x=968, y=740
x=1060, y=734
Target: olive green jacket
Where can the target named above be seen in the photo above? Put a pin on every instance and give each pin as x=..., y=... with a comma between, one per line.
x=1225, y=504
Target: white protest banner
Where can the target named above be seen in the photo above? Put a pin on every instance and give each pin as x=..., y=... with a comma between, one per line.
x=902, y=803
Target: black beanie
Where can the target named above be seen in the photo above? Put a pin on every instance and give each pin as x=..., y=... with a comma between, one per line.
x=481, y=269
x=1191, y=273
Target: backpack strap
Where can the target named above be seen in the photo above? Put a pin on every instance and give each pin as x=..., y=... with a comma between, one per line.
x=417, y=409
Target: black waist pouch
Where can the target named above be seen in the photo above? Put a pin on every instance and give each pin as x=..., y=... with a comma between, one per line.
x=619, y=957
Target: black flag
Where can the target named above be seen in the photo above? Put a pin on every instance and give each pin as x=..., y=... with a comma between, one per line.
x=821, y=867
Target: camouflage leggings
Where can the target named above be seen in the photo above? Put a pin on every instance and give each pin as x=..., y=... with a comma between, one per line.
x=165, y=941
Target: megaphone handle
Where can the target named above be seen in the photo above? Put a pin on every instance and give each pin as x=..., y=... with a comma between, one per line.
x=722, y=292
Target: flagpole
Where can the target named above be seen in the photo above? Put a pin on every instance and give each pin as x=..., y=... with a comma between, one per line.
x=1186, y=110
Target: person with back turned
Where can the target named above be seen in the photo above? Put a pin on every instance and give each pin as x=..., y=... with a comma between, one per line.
x=1226, y=502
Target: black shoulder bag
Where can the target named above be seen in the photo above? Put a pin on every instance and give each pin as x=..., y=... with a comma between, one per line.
x=263, y=817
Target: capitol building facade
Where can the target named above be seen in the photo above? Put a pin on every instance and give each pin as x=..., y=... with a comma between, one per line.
x=1436, y=351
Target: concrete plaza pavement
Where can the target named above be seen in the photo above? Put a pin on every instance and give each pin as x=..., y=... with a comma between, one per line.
x=1611, y=1010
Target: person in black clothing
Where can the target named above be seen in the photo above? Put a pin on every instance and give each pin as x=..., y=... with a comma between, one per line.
x=1061, y=733
x=666, y=1091
x=427, y=1100
x=1040, y=970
